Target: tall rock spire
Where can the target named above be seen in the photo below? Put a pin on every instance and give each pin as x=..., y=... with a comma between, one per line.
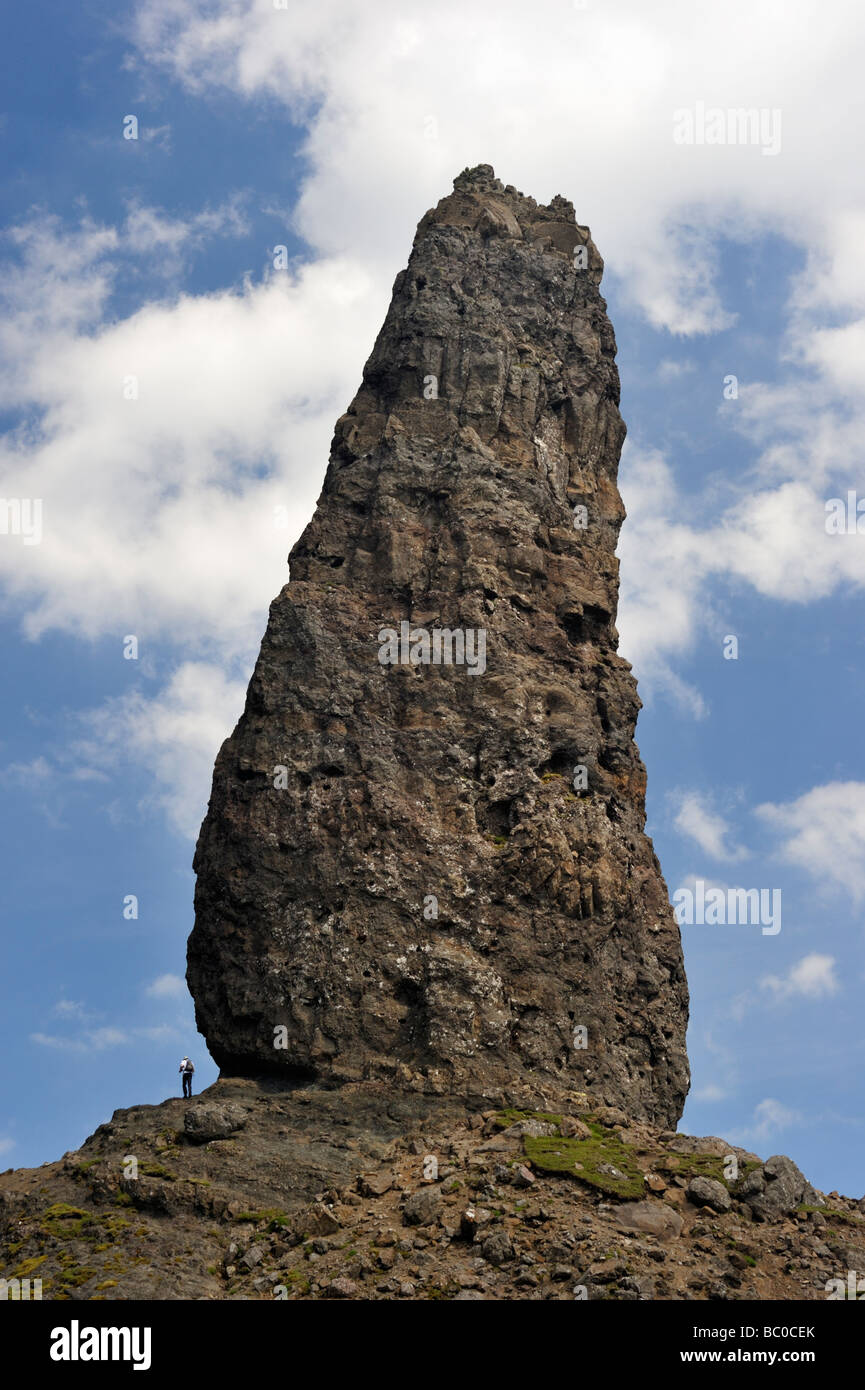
x=424, y=855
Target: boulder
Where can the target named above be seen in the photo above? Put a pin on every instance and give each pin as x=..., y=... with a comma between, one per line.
x=783, y=1191
x=706, y=1192
x=652, y=1218
x=204, y=1123
x=497, y=1248
x=693, y=1144
x=423, y=1207
x=571, y=1128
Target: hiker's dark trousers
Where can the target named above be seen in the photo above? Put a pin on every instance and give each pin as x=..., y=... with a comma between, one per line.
x=187, y=1083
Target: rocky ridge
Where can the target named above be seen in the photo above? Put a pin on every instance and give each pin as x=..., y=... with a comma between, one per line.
x=255, y=1190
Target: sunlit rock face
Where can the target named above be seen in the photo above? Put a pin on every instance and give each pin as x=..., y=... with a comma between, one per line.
x=424, y=855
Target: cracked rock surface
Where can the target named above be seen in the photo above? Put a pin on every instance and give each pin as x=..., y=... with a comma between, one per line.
x=431, y=870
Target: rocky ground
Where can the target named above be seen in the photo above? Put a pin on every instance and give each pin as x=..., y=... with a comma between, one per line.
x=254, y=1190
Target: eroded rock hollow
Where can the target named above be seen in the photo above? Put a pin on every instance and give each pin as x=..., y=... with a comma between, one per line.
x=424, y=855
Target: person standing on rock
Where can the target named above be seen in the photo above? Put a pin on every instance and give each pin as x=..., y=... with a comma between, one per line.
x=186, y=1069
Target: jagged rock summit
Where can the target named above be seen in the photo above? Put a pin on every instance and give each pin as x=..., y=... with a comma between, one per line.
x=424, y=856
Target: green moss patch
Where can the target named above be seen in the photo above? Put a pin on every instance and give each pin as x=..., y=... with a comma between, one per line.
x=64, y=1222
x=596, y=1156
x=274, y=1217
x=156, y=1170
x=438, y=1293
x=833, y=1213
x=73, y=1276
x=296, y=1282
x=702, y=1166
x=113, y=1225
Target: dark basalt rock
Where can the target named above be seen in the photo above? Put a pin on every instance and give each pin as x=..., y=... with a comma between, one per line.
x=400, y=873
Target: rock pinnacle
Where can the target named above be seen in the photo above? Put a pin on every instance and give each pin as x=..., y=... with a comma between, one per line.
x=424, y=856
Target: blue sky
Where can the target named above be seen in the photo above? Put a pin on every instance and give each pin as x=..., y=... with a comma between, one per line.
x=169, y=515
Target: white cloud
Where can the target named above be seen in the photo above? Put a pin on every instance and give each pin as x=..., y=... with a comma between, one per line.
x=776, y=540
x=773, y=539
x=159, y=512
x=175, y=734
x=168, y=517
x=812, y=977
x=663, y=573
x=102, y=1039
x=401, y=102
x=770, y=1118
x=70, y=1008
x=688, y=883
x=159, y=135
x=162, y=1032
x=167, y=987
x=149, y=232
x=823, y=833
x=670, y=370
x=696, y=819
x=93, y=1040
x=6, y=1145
x=709, y=1093
x=34, y=773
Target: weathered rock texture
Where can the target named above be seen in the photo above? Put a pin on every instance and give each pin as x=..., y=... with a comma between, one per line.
x=488, y=412
x=314, y=1193
x=319, y=1193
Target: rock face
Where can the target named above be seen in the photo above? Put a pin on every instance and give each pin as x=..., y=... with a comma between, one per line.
x=424, y=855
